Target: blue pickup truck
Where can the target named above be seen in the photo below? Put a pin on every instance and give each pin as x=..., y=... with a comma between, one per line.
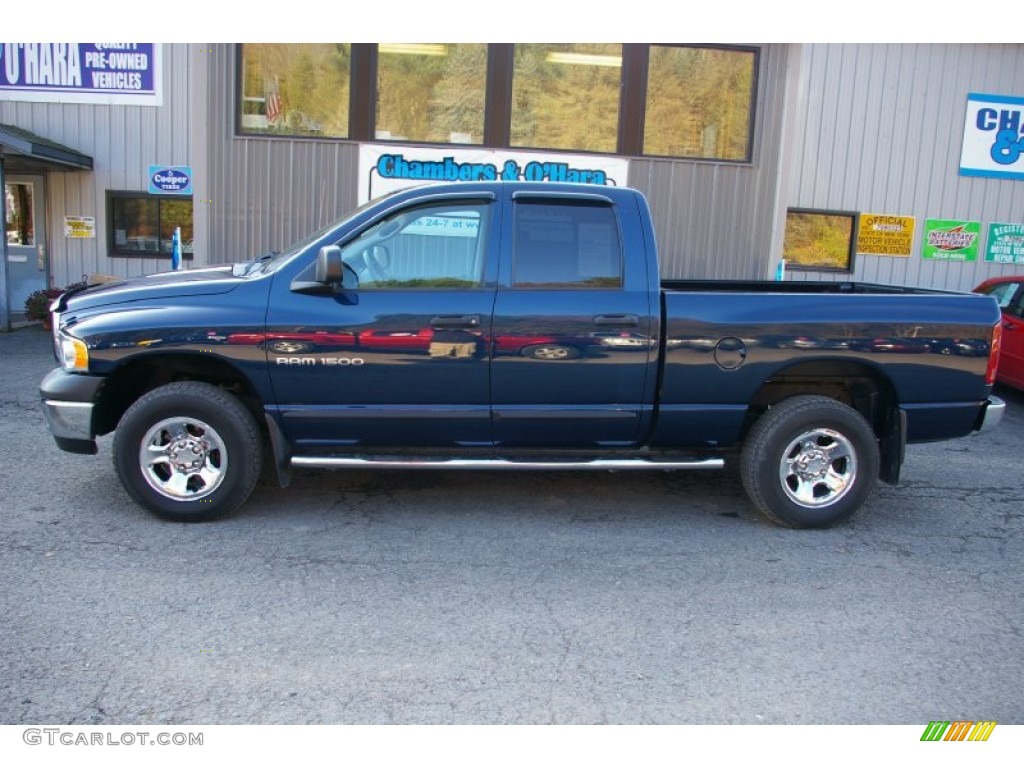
x=510, y=326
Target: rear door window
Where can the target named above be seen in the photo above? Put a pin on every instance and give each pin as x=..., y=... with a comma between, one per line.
x=566, y=245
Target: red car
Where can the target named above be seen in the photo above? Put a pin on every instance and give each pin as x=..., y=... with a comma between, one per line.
x=1009, y=292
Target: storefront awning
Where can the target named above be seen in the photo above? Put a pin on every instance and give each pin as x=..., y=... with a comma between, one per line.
x=25, y=152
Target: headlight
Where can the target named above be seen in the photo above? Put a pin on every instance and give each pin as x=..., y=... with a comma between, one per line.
x=74, y=354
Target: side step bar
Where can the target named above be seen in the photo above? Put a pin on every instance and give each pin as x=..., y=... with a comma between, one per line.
x=402, y=462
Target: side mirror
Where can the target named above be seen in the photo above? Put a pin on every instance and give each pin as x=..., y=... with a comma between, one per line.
x=329, y=266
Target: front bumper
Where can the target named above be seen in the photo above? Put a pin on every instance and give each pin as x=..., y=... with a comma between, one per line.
x=68, y=403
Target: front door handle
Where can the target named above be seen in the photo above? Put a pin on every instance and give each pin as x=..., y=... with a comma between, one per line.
x=618, y=321
x=455, y=321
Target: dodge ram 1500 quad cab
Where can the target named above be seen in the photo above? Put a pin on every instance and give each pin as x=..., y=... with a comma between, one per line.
x=510, y=326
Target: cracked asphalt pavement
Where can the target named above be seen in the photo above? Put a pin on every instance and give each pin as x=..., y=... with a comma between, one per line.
x=501, y=598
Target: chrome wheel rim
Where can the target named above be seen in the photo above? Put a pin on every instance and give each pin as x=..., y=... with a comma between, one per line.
x=818, y=468
x=183, y=459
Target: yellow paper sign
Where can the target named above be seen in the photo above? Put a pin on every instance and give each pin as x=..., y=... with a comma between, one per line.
x=884, y=235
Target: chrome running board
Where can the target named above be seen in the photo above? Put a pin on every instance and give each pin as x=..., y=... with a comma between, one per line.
x=401, y=462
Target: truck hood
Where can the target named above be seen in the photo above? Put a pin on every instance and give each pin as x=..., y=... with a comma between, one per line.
x=160, y=285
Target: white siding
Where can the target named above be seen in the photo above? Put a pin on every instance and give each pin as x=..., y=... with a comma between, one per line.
x=267, y=192
x=879, y=129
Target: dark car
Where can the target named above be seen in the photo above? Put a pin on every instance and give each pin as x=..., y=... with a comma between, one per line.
x=1009, y=292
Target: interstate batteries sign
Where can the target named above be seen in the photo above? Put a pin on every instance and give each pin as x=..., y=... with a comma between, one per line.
x=946, y=240
x=386, y=168
x=993, y=137
x=83, y=73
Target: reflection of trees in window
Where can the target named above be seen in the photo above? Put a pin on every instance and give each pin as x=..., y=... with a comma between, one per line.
x=699, y=102
x=20, y=221
x=296, y=88
x=819, y=240
x=566, y=96
x=176, y=213
x=145, y=225
x=431, y=92
x=695, y=103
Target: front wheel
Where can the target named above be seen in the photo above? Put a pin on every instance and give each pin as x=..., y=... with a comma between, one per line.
x=809, y=462
x=188, y=451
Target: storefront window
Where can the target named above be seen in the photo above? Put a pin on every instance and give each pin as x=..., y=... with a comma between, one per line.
x=431, y=92
x=295, y=89
x=699, y=102
x=819, y=239
x=635, y=99
x=143, y=225
x=566, y=96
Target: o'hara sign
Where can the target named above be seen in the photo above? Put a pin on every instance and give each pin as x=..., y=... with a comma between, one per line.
x=386, y=168
x=993, y=144
x=83, y=73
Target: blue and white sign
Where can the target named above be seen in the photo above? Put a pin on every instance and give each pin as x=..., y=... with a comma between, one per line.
x=993, y=137
x=81, y=73
x=386, y=167
x=170, y=179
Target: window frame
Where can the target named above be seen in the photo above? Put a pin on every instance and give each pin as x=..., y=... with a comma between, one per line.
x=112, y=249
x=747, y=158
x=363, y=78
x=851, y=250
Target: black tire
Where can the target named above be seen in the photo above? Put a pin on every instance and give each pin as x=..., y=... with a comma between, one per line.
x=217, y=449
x=809, y=462
x=551, y=352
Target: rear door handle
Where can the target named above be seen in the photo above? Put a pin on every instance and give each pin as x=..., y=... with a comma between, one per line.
x=619, y=321
x=455, y=321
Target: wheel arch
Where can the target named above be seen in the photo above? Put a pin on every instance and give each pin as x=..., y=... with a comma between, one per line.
x=134, y=378
x=865, y=388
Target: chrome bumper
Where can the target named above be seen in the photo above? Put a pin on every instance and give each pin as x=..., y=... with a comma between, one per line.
x=992, y=414
x=72, y=421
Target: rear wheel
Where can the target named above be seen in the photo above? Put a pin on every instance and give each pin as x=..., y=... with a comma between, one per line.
x=809, y=462
x=188, y=452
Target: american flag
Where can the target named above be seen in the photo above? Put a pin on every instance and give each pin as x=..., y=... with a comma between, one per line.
x=273, y=106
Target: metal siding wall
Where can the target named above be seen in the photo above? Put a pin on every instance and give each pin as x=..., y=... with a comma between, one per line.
x=268, y=193
x=123, y=141
x=712, y=219
x=880, y=131
x=715, y=220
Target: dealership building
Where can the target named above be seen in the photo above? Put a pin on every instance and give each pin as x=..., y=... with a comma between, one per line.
x=890, y=163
